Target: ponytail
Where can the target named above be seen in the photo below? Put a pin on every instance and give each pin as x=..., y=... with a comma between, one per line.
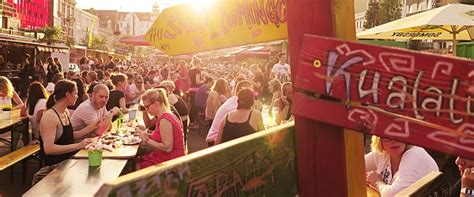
x=51, y=100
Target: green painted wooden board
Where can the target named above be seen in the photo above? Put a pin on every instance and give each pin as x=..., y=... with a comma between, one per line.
x=262, y=164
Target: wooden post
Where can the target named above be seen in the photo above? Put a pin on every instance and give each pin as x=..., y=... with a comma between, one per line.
x=330, y=160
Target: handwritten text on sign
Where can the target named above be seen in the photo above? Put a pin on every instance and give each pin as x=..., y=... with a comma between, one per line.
x=414, y=97
x=190, y=28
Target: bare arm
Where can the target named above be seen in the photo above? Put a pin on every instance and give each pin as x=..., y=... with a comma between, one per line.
x=258, y=121
x=48, y=125
x=221, y=131
x=19, y=103
x=166, y=132
x=147, y=120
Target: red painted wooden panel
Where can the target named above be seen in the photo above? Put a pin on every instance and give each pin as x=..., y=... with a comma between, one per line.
x=414, y=97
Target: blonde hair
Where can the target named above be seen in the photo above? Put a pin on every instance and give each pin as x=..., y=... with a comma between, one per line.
x=159, y=95
x=376, y=145
x=6, y=85
x=168, y=84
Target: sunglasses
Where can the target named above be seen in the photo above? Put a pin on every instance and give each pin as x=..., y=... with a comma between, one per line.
x=147, y=106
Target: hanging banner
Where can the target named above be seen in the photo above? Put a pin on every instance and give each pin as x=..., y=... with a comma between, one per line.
x=200, y=26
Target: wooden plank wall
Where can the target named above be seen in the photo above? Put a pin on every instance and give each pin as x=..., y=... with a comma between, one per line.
x=262, y=164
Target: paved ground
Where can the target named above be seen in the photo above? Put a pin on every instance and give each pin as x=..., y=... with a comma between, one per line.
x=196, y=142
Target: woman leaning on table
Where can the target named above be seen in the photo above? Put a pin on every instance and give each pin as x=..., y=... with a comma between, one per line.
x=56, y=132
x=8, y=93
x=392, y=166
x=166, y=141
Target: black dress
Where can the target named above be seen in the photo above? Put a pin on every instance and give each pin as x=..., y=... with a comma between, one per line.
x=65, y=139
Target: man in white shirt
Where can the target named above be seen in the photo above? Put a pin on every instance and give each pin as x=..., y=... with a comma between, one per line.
x=281, y=70
x=91, y=110
x=224, y=109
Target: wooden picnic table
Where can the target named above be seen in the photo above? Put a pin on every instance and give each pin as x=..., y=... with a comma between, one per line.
x=8, y=125
x=14, y=119
x=74, y=177
x=124, y=152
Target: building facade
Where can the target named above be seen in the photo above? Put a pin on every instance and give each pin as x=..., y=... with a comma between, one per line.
x=133, y=24
x=9, y=15
x=85, y=24
x=62, y=14
x=33, y=14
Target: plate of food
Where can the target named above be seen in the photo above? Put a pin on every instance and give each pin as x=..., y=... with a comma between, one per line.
x=131, y=140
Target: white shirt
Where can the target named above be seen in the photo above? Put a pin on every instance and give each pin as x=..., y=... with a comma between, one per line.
x=228, y=106
x=86, y=114
x=414, y=165
x=281, y=70
x=40, y=105
x=50, y=87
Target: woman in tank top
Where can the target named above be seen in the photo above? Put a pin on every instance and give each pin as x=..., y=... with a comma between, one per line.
x=241, y=122
x=166, y=141
x=56, y=133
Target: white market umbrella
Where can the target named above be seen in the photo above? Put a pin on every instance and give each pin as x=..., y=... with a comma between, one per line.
x=450, y=22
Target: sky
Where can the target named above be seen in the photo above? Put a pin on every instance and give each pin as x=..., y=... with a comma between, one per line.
x=126, y=5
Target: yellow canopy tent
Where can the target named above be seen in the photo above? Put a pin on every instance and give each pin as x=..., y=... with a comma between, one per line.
x=194, y=27
x=450, y=22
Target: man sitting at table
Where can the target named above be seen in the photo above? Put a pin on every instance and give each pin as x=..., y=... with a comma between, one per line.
x=92, y=110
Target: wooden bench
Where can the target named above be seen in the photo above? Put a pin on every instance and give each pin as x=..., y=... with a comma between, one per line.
x=17, y=156
x=433, y=184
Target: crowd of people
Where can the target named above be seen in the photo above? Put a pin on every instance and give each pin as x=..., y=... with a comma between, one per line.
x=224, y=99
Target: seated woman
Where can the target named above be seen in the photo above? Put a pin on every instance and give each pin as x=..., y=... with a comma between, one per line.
x=35, y=104
x=56, y=133
x=117, y=95
x=166, y=141
x=392, y=166
x=241, y=122
x=7, y=94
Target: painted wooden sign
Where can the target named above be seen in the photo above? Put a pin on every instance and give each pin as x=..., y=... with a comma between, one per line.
x=230, y=169
x=413, y=97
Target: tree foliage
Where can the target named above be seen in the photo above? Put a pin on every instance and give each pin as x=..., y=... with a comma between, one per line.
x=372, y=15
x=390, y=10
x=99, y=43
x=382, y=12
x=51, y=35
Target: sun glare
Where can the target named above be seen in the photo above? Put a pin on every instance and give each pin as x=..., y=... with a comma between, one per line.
x=202, y=4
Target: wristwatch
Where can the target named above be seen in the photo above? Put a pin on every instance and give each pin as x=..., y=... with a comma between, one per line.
x=467, y=191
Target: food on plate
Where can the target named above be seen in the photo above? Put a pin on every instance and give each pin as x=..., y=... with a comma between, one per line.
x=131, y=140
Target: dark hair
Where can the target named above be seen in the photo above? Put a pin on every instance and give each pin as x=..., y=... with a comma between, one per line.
x=100, y=74
x=84, y=73
x=36, y=91
x=60, y=90
x=245, y=99
x=220, y=86
x=93, y=75
x=80, y=88
x=57, y=77
x=118, y=78
x=83, y=60
x=281, y=54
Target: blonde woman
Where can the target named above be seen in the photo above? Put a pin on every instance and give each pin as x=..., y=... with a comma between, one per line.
x=166, y=141
x=219, y=94
x=7, y=94
x=392, y=166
